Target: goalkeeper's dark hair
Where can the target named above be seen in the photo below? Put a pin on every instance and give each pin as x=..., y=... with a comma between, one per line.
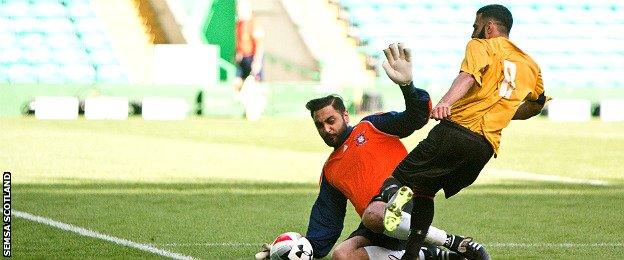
x=318, y=103
x=500, y=14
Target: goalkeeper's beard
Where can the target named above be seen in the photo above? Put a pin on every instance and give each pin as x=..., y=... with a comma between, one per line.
x=335, y=140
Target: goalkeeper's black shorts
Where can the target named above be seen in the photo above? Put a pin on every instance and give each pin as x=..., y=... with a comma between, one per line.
x=378, y=239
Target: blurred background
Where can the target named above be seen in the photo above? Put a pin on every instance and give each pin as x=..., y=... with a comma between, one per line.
x=170, y=59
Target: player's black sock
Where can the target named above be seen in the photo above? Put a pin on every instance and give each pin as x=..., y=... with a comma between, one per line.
x=422, y=216
x=452, y=242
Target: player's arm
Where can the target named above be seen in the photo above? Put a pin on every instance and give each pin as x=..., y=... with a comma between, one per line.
x=403, y=124
x=476, y=59
x=326, y=219
x=462, y=83
x=533, y=103
x=530, y=108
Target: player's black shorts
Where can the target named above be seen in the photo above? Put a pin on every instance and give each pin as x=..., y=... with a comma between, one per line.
x=450, y=158
x=378, y=239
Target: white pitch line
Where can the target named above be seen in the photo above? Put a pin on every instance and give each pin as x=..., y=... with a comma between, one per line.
x=214, y=244
x=560, y=245
x=512, y=174
x=495, y=244
x=90, y=233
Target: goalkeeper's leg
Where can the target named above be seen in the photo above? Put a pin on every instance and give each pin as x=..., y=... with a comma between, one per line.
x=429, y=252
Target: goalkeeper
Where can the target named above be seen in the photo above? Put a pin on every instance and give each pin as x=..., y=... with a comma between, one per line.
x=364, y=156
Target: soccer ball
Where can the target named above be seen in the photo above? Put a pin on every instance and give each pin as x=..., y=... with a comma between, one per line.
x=291, y=246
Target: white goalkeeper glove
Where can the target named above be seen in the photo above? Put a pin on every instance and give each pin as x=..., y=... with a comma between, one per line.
x=398, y=65
x=264, y=254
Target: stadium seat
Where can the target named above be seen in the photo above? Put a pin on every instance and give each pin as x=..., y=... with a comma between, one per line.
x=48, y=9
x=560, y=35
x=56, y=42
x=21, y=74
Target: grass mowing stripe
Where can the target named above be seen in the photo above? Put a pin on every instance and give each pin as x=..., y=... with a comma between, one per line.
x=476, y=189
x=90, y=233
x=173, y=191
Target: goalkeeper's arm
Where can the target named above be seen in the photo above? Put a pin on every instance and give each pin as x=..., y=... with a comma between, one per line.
x=326, y=219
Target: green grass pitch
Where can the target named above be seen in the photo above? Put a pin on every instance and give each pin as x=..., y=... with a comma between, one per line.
x=219, y=188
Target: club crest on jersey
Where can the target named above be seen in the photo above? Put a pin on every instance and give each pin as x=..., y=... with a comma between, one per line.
x=360, y=139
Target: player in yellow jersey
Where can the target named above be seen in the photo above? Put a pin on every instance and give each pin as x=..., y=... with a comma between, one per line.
x=497, y=82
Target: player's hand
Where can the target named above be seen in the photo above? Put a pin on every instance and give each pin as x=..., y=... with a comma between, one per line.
x=264, y=254
x=440, y=111
x=398, y=64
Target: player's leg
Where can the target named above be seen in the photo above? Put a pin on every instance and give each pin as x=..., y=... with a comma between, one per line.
x=421, y=171
x=394, y=208
x=359, y=247
x=243, y=69
x=352, y=248
x=429, y=252
x=466, y=247
x=421, y=202
x=459, y=179
x=374, y=214
x=460, y=156
x=363, y=243
x=373, y=217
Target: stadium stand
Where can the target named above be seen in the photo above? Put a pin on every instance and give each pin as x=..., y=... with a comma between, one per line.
x=325, y=37
x=55, y=42
x=579, y=44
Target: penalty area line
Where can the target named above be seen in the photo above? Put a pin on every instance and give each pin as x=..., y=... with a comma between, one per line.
x=557, y=245
x=522, y=175
x=212, y=244
x=495, y=244
x=90, y=233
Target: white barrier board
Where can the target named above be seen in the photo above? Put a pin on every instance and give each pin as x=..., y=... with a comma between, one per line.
x=164, y=108
x=56, y=107
x=612, y=110
x=569, y=110
x=101, y=108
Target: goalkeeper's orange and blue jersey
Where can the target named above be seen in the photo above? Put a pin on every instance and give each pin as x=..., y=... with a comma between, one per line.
x=356, y=169
x=365, y=160
x=505, y=77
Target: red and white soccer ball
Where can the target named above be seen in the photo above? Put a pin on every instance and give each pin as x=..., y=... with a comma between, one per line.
x=291, y=246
